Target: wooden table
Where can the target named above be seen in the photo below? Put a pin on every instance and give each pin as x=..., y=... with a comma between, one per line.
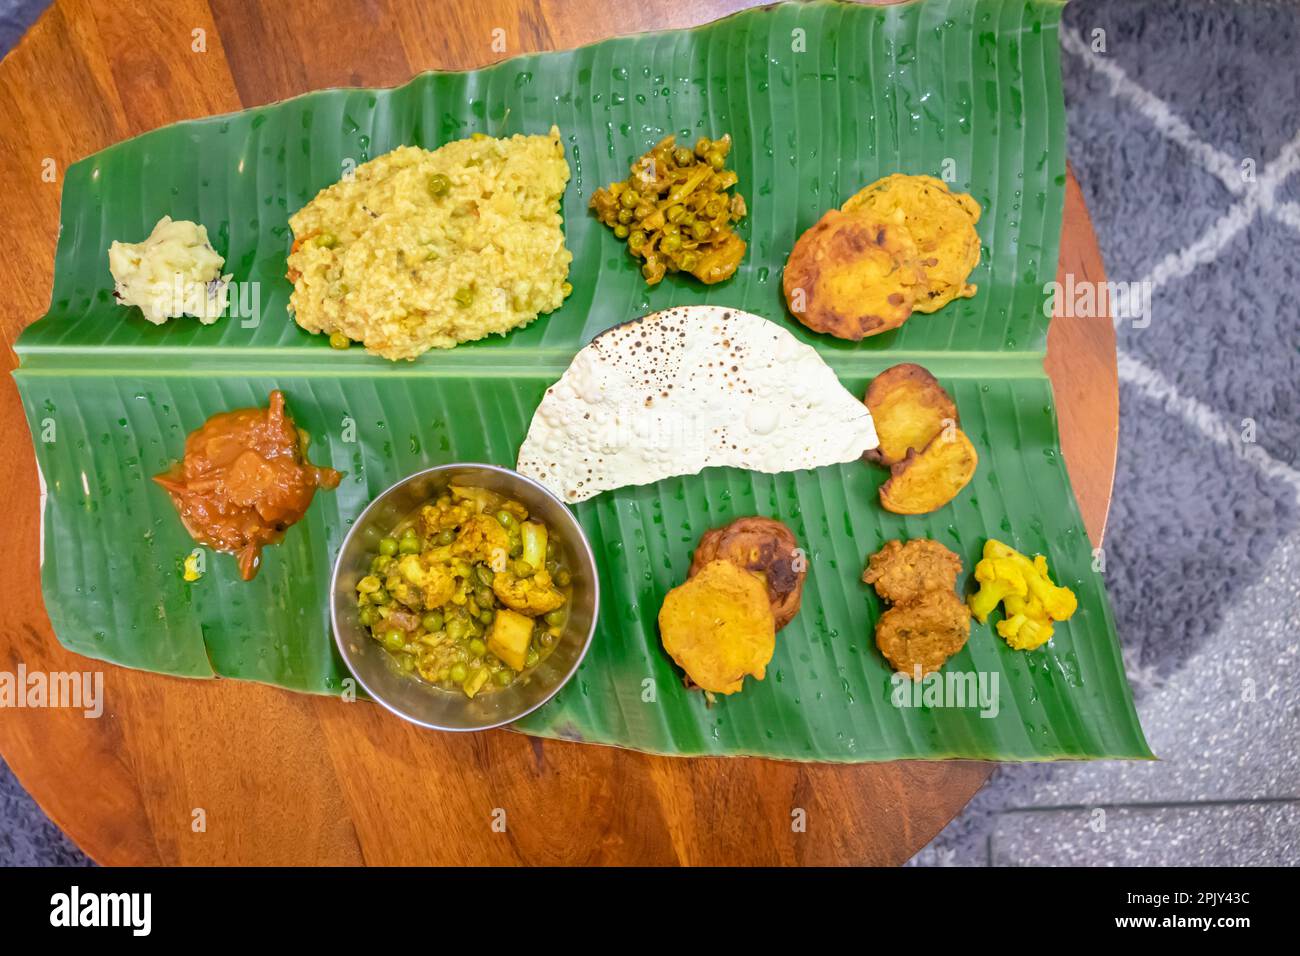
x=292, y=779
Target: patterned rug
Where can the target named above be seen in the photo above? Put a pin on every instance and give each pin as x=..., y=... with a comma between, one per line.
x=1185, y=136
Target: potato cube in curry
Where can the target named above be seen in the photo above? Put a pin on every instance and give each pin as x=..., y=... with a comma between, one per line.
x=509, y=638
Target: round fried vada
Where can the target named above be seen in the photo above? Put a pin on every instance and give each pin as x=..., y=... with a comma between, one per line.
x=904, y=572
x=853, y=276
x=942, y=224
x=923, y=634
x=718, y=627
x=763, y=545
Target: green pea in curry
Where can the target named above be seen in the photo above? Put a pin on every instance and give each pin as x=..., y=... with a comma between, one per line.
x=470, y=594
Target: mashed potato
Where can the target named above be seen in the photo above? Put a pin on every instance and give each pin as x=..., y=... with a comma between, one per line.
x=420, y=250
x=173, y=272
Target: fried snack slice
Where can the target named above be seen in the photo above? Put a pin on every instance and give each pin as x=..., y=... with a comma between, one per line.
x=909, y=408
x=903, y=573
x=718, y=627
x=852, y=276
x=762, y=545
x=941, y=222
x=925, y=633
x=925, y=481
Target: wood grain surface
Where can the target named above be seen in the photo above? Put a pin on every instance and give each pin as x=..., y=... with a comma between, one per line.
x=282, y=778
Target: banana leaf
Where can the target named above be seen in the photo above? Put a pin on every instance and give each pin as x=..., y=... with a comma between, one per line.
x=820, y=99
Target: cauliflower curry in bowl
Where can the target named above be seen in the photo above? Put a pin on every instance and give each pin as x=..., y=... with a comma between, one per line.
x=464, y=597
x=469, y=594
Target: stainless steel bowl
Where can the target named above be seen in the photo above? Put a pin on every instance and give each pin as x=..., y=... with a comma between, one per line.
x=423, y=703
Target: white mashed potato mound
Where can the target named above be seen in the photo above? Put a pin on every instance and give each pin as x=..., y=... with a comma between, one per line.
x=174, y=272
x=689, y=388
x=422, y=249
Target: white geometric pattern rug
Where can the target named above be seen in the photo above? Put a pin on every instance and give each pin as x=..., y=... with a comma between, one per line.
x=1184, y=124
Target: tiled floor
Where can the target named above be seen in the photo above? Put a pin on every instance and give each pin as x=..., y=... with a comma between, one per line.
x=1255, y=833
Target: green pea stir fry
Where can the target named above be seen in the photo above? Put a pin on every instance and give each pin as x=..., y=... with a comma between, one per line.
x=674, y=211
x=470, y=594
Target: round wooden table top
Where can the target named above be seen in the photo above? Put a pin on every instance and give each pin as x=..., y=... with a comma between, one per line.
x=225, y=772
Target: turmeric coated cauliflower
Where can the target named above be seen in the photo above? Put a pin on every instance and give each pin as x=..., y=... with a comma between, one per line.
x=422, y=583
x=482, y=538
x=533, y=596
x=443, y=515
x=1025, y=590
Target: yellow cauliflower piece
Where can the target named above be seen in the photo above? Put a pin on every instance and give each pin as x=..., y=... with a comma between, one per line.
x=999, y=578
x=439, y=586
x=1024, y=633
x=1059, y=603
x=442, y=515
x=482, y=538
x=1026, y=592
x=433, y=584
x=531, y=596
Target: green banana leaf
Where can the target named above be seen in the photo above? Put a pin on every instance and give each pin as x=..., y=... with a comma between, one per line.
x=821, y=99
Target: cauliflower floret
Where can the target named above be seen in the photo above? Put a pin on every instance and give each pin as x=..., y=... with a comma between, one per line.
x=1025, y=590
x=419, y=583
x=443, y=515
x=483, y=539
x=1024, y=633
x=1058, y=602
x=999, y=578
x=532, y=596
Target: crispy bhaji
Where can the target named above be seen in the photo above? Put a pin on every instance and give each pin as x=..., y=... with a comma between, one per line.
x=909, y=408
x=718, y=627
x=928, y=622
x=940, y=221
x=765, y=546
x=902, y=572
x=852, y=276
x=923, y=634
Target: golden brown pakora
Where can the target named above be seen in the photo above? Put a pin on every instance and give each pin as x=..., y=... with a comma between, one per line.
x=853, y=276
x=909, y=408
x=765, y=546
x=930, y=459
x=928, y=622
x=927, y=480
x=940, y=222
x=718, y=627
x=923, y=634
x=903, y=572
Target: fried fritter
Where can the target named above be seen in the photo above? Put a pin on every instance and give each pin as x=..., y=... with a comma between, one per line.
x=909, y=408
x=904, y=572
x=927, y=480
x=853, y=276
x=941, y=222
x=718, y=627
x=766, y=546
x=928, y=622
x=923, y=634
